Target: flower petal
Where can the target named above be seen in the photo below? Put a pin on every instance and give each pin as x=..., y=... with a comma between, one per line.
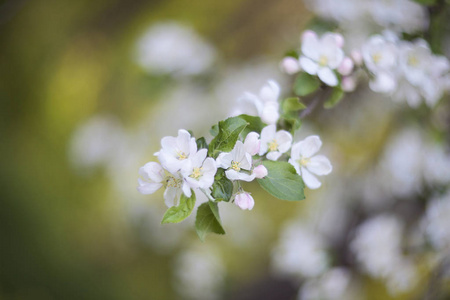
x=273, y=155
x=327, y=76
x=308, y=65
x=284, y=140
x=310, y=180
x=270, y=92
x=267, y=135
x=234, y=175
x=170, y=195
x=152, y=171
x=296, y=165
x=147, y=188
x=319, y=165
x=252, y=143
x=309, y=146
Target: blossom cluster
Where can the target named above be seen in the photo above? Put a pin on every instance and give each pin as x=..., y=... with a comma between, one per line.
x=188, y=165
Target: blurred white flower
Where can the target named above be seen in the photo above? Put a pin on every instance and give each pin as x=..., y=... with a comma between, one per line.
x=252, y=143
x=322, y=56
x=173, y=48
x=437, y=222
x=265, y=105
x=238, y=163
x=306, y=163
x=274, y=143
x=260, y=171
x=290, y=65
x=300, y=251
x=199, y=274
x=332, y=285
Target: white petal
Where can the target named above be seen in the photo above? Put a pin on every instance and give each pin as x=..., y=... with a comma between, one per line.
x=309, y=146
x=183, y=141
x=383, y=83
x=198, y=158
x=270, y=114
x=284, y=140
x=234, y=175
x=310, y=180
x=170, y=195
x=267, y=135
x=319, y=165
x=152, y=171
x=250, y=104
x=169, y=162
x=270, y=91
x=273, y=155
x=224, y=160
x=186, y=190
x=308, y=65
x=169, y=145
x=252, y=143
x=328, y=76
x=310, y=46
x=147, y=188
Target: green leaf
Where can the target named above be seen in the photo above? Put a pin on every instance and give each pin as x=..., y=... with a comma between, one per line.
x=306, y=84
x=229, y=131
x=292, y=104
x=253, y=124
x=176, y=214
x=214, y=130
x=292, y=121
x=335, y=98
x=291, y=53
x=208, y=220
x=201, y=143
x=282, y=181
x=222, y=188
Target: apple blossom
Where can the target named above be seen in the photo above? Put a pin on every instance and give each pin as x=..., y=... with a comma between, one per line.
x=201, y=170
x=290, y=65
x=260, y=171
x=346, y=67
x=244, y=200
x=265, y=105
x=322, y=56
x=274, y=143
x=238, y=163
x=154, y=177
x=176, y=151
x=306, y=163
x=252, y=143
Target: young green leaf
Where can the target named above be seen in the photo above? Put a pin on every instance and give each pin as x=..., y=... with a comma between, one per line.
x=282, y=181
x=254, y=124
x=222, y=188
x=229, y=131
x=335, y=98
x=201, y=143
x=176, y=214
x=292, y=105
x=208, y=220
x=306, y=84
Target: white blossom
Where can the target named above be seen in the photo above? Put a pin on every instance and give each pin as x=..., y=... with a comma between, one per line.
x=238, y=163
x=260, y=171
x=437, y=222
x=306, y=163
x=274, y=143
x=322, y=56
x=252, y=143
x=173, y=48
x=290, y=65
x=332, y=285
x=176, y=151
x=265, y=105
x=199, y=173
x=154, y=177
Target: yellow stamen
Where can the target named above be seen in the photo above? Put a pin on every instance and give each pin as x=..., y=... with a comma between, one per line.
x=304, y=161
x=196, y=173
x=413, y=61
x=173, y=182
x=181, y=155
x=273, y=145
x=236, y=165
x=323, y=61
x=376, y=57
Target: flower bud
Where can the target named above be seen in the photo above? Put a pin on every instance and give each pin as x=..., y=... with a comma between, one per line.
x=339, y=40
x=244, y=201
x=357, y=57
x=308, y=34
x=290, y=65
x=252, y=143
x=348, y=84
x=260, y=171
x=346, y=67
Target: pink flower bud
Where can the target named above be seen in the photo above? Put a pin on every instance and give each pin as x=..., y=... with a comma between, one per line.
x=346, y=66
x=348, y=84
x=260, y=171
x=252, y=143
x=290, y=65
x=339, y=40
x=244, y=201
x=357, y=57
x=307, y=34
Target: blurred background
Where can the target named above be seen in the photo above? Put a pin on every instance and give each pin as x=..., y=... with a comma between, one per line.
x=88, y=89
